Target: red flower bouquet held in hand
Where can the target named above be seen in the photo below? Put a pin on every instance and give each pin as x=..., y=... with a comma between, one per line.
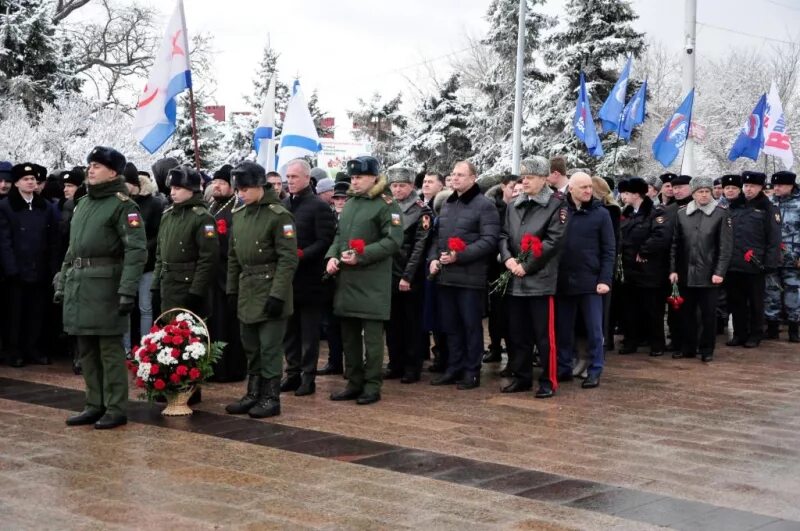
x=173, y=360
x=455, y=245
x=355, y=247
x=675, y=300
x=530, y=245
x=222, y=226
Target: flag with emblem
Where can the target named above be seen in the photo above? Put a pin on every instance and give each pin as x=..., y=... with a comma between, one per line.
x=675, y=132
x=583, y=123
x=751, y=135
x=209, y=230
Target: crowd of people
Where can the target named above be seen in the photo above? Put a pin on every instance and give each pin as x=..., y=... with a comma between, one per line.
x=415, y=262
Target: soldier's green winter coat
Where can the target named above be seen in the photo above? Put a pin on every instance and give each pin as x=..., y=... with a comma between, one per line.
x=187, y=252
x=262, y=257
x=364, y=291
x=106, y=224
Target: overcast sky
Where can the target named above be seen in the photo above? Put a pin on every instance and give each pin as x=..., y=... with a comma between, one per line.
x=349, y=48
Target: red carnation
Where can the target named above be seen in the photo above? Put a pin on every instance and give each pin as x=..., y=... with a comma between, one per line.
x=299, y=253
x=154, y=329
x=159, y=384
x=174, y=378
x=194, y=373
x=175, y=353
x=456, y=244
x=194, y=340
x=357, y=245
x=222, y=226
x=536, y=247
x=131, y=366
x=152, y=347
x=783, y=246
x=182, y=370
x=177, y=340
x=139, y=383
x=144, y=359
x=154, y=368
x=748, y=256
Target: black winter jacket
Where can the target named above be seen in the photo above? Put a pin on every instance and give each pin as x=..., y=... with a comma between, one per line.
x=756, y=226
x=701, y=245
x=222, y=210
x=589, y=249
x=409, y=261
x=648, y=234
x=316, y=227
x=30, y=238
x=150, y=208
x=473, y=218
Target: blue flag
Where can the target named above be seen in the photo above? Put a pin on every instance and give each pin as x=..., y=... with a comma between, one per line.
x=675, y=132
x=611, y=110
x=583, y=124
x=634, y=111
x=751, y=136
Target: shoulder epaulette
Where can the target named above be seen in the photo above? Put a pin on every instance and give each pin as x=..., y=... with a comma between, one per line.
x=199, y=210
x=387, y=198
x=122, y=197
x=278, y=209
x=236, y=209
x=168, y=209
x=682, y=207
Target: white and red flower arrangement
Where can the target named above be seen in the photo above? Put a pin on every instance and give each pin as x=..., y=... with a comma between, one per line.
x=174, y=358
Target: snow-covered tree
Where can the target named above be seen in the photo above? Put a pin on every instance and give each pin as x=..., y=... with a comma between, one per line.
x=437, y=137
x=318, y=115
x=34, y=65
x=490, y=126
x=382, y=124
x=595, y=36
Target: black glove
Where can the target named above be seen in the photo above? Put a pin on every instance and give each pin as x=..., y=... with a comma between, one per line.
x=125, y=305
x=195, y=303
x=233, y=303
x=273, y=307
x=155, y=302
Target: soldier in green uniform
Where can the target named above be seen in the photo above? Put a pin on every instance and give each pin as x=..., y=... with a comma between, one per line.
x=262, y=259
x=187, y=251
x=98, y=282
x=364, y=277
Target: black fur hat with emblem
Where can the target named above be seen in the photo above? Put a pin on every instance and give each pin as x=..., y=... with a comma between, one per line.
x=74, y=176
x=732, y=180
x=784, y=177
x=754, y=177
x=25, y=169
x=637, y=185
x=666, y=177
x=185, y=177
x=108, y=157
x=364, y=165
x=680, y=180
x=248, y=175
x=224, y=173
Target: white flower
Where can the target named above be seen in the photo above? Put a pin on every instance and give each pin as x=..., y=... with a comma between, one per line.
x=184, y=317
x=164, y=357
x=199, y=331
x=196, y=350
x=144, y=371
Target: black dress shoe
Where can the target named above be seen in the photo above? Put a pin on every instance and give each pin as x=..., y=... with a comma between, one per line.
x=544, y=392
x=346, y=394
x=467, y=383
x=109, y=421
x=735, y=342
x=492, y=356
x=330, y=369
x=85, y=417
x=368, y=398
x=681, y=355
x=290, y=383
x=752, y=342
x=656, y=353
x=391, y=374
x=591, y=382
x=705, y=358
x=409, y=378
x=517, y=386
x=626, y=349
x=445, y=379
x=308, y=387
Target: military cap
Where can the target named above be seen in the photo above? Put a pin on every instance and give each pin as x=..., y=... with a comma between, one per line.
x=784, y=177
x=185, y=177
x=400, y=174
x=24, y=170
x=536, y=165
x=108, y=157
x=732, y=180
x=754, y=177
x=74, y=176
x=248, y=174
x=637, y=185
x=364, y=165
x=681, y=180
x=718, y=181
x=667, y=177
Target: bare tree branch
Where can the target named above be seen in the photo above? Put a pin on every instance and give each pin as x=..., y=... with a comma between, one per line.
x=65, y=8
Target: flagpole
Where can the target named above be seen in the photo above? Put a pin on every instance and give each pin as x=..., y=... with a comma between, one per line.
x=690, y=34
x=194, y=130
x=516, y=138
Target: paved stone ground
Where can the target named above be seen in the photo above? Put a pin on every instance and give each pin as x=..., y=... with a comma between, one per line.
x=662, y=442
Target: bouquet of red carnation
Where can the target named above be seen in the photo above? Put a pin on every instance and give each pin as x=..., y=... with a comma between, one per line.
x=222, y=226
x=357, y=246
x=174, y=358
x=454, y=245
x=300, y=253
x=675, y=300
x=530, y=245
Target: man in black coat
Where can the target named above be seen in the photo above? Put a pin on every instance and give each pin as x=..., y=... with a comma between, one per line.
x=223, y=324
x=699, y=259
x=682, y=196
x=756, y=252
x=584, y=277
x=465, y=239
x=316, y=227
x=645, y=239
x=29, y=253
x=404, y=328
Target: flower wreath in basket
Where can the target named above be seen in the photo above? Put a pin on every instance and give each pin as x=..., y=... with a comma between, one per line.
x=174, y=358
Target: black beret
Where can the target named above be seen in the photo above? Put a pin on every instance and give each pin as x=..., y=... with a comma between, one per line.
x=108, y=157
x=131, y=175
x=667, y=177
x=637, y=185
x=224, y=173
x=681, y=179
x=731, y=180
x=24, y=170
x=185, y=177
x=784, y=177
x=74, y=176
x=248, y=174
x=365, y=165
x=754, y=177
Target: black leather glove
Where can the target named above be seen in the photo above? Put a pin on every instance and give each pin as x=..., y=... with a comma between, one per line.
x=155, y=302
x=273, y=307
x=233, y=303
x=195, y=303
x=125, y=305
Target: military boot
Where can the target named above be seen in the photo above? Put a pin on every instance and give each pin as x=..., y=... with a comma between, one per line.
x=772, y=330
x=269, y=403
x=250, y=399
x=307, y=387
x=794, y=334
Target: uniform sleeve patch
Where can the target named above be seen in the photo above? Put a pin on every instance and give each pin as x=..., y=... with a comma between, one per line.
x=660, y=220
x=395, y=219
x=562, y=215
x=134, y=220
x=426, y=222
x=288, y=231
x=209, y=231
x=730, y=223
